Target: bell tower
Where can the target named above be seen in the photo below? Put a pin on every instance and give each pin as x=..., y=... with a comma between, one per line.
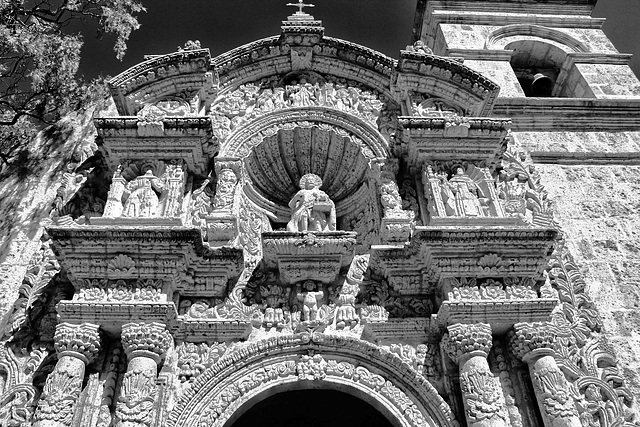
x=531, y=49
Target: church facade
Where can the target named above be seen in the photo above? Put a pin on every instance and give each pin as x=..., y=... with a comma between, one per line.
x=304, y=219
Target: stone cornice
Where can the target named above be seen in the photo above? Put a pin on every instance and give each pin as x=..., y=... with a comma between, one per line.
x=122, y=233
x=423, y=329
x=479, y=127
x=127, y=126
x=194, y=330
x=112, y=315
x=501, y=314
x=570, y=114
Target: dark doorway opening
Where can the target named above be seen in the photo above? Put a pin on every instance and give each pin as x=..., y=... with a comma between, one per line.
x=312, y=408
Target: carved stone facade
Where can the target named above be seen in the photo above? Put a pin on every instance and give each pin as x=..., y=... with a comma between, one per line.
x=304, y=213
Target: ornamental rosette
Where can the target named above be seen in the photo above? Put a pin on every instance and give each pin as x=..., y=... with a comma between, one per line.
x=463, y=339
x=150, y=337
x=83, y=339
x=528, y=337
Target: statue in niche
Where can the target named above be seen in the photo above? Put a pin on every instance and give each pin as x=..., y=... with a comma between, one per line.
x=309, y=300
x=462, y=196
x=311, y=208
x=141, y=199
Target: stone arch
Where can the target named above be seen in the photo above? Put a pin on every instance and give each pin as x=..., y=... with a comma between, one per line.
x=305, y=360
x=272, y=56
x=339, y=147
x=501, y=37
x=240, y=142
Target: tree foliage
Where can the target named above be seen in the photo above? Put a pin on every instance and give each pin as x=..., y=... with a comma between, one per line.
x=39, y=59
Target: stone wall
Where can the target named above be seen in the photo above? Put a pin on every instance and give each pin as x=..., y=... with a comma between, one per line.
x=598, y=207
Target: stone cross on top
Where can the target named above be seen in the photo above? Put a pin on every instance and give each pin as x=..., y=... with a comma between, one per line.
x=300, y=5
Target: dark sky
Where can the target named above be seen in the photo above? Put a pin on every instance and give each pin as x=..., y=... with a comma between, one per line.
x=221, y=25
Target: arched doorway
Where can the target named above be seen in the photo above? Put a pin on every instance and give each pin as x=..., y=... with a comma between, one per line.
x=313, y=408
x=253, y=372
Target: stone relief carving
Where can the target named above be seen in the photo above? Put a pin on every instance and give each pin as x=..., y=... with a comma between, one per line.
x=145, y=345
x=311, y=208
x=253, y=100
x=42, y=268
x=309, y=299
x=466, y=193
x=520, y=192
x=17, y=374
x=77, y=346
x=472, y=289
x=596, y=387
x=582, y=353
x=306, y=367
x=146, y=190
x=119, y=290
x=468, y=345
x=194, y=358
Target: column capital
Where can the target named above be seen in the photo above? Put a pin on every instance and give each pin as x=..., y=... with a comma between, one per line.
x=81, y=341
x=466, y=340
x=532, y=339
x=145, y=339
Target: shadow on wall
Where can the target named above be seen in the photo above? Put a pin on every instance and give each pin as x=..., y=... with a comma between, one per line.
x=28, y=183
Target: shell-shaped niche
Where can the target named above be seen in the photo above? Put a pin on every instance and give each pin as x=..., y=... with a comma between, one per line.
x=276, y=165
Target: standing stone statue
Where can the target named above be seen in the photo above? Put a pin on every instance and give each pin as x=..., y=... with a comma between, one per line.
x=465, y=194
x=311, y=208
x=142, y=201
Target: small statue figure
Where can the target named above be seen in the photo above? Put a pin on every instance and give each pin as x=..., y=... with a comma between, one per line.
x=190, y=45
x=420, y=47
x=141, y=199
x=465, y=194
x=309, y=301
x=311, y=208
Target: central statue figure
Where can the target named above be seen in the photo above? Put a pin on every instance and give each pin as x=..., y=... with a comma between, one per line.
x=311, y=208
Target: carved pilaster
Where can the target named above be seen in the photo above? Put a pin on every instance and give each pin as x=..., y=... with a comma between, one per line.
x=533, y=343
x=113, y=208
x=468, y=345
x=145, y=345
x=76, y=345
x=397, y=223
x=222, y=225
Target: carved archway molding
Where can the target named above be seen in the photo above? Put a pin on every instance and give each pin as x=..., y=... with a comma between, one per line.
x=315, y=360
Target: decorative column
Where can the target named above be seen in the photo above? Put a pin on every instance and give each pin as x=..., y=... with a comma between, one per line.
x=145, y=345
x=469, y=345
x=76, y=346
x=533, y=343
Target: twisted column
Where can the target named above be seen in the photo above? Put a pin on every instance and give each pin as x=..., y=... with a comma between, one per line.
x=533, y=343
x=469, y=345
x=76, y=345
x=145, y=345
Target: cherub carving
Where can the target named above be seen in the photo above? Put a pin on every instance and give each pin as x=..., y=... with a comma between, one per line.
x=310, y=300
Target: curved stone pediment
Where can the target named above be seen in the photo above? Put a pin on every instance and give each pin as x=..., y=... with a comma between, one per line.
x=161, y=77
x=194, y=76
